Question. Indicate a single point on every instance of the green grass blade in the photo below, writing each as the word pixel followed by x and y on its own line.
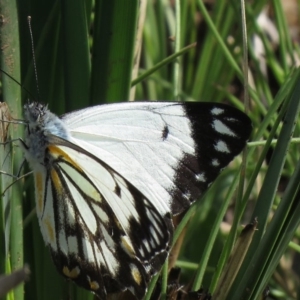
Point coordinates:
pixel 113 49
pixel 76 54
pixel 256 263
pixel 280 231
pixel 10 62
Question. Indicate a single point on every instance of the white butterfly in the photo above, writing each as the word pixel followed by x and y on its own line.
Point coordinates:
pixel 108 179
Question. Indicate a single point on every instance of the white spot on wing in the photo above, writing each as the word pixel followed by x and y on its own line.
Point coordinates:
pixel 154 234
pixel 148 268
pixel 217 111
pixel 220 127
pixel 72 244
pixel 146 244
pixel 111 262
pixel 70 213
pixel 101 213
pixel 87 250
pixel 215 162
pixel 200 177
pixel 222 147
pixel 107 238
pixel 231 119
pixel 62 240
pixel 141 250
pixel 98 256
pixel 152 243
pixel 187 196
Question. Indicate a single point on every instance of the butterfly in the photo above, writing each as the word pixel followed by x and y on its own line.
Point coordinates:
pixel 109 178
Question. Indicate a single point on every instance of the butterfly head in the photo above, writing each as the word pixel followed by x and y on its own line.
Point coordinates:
pixel 40 119
pixel 35 112
pixel 42 125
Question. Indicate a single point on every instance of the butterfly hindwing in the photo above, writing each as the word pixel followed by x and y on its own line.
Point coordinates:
pixel 103 245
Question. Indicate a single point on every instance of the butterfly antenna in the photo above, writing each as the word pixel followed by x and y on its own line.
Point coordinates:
pixel 33 57
pixel 18 83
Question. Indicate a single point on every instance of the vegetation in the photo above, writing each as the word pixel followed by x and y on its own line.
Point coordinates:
pixel 91 52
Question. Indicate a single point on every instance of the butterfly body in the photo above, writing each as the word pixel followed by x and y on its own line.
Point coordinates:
pixel 109 178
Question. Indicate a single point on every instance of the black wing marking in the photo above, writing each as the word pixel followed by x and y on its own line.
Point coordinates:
pixel 220 133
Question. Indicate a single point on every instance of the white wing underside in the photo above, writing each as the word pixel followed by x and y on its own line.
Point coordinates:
pixel 130 139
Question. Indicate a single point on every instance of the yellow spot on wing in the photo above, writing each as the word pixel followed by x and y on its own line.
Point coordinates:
pixel 93 284
pixel 57 152
pixel 50 230
pixel 39 190
pixel 56 181
pixel 136 275
pixel 126 245
pixel 118 223
pixel 71 273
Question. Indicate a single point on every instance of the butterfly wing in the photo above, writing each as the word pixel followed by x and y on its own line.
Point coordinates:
pixel 109 177
pixel 171 152
pixel 103 233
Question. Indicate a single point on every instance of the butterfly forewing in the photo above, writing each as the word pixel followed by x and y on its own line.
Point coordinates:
pixel 171 152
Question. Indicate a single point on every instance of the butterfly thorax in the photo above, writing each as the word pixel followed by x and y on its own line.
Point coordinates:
pixel 41 126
